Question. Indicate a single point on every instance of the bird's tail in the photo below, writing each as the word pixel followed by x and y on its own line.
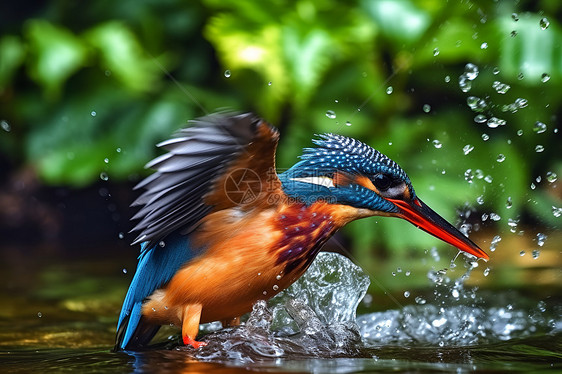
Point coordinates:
pixel 134 336
pixel 157 265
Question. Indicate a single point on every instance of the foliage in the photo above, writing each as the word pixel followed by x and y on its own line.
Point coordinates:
pixel 86 94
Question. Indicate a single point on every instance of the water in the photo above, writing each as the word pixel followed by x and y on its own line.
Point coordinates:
pixel 311 327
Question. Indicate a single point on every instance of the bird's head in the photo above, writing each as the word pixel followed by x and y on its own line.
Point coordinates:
pixel 345 171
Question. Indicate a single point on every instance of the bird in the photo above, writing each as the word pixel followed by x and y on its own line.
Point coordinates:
pixel 219 228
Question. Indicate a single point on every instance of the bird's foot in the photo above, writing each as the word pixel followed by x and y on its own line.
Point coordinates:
pixel 187 340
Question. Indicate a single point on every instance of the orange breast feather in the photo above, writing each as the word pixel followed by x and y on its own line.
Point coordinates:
pixel 250 256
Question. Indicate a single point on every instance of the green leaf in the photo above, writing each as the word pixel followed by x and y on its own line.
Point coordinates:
pixel 533 51
pixel 12 54
pixel 399 20
pixel 56 54
pixel 123 56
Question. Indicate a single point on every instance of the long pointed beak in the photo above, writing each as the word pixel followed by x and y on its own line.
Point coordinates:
pixel 422 216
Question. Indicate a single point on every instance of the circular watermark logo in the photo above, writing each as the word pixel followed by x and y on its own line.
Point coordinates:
pixel 242 186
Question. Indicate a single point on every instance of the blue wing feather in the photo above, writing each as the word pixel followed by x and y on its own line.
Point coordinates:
pixel 157 265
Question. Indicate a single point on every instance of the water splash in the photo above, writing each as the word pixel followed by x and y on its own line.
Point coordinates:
pixel 456 316
pixel 313 317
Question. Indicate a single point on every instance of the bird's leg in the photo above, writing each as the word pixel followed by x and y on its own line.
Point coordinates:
pixel 231 322
pixel 190 325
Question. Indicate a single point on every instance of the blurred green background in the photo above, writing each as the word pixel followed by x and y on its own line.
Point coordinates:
pixel 465 96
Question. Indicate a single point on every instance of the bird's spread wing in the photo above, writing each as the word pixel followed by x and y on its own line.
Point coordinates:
pixel 222 160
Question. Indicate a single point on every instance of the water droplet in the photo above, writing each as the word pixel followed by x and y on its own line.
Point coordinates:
pixel 519 132
pixel 512 223
pixel 118 150
pixel 500 158
pixel 107 73
pixel 488 178
pixel 495 240
pixel 556 212
pixel 426 108
pixel 447 78
pixel 278 277
pixel 121 235
pixel 275 287
pixel 500 87
pixel 5 126
pixel 495 122
pixel 468 175
pixel 485 137
pixel 104 176
pixel 464 83
pixel 551 176
pixel 522 253
pixel 93 113
pixel 471 71
pixel 269 83
pixel 227 73
pixel 420 300
pixel 545 77
pixel 480 118
pixel 389 90
pixel 472 101
pixel 544 23
pixel 436 52
pixel 437 144
pixel 106 160
pixel 124 271
pixel 406 294
pixel 521 103
pixel 331 114
pixel 496 71
pixel 539 148
pixel 407 273
pixel 484 45
pixel 39 314
pixel 495 217
pixel 542 306
pixel 515 17
pixel 480 199
pixel 347 123
pixel 162 244
pixel 455 293
pixel 486 272
pixel 513 33
pixel 520 76
pixel 541 238
pixel 508 203
pixel 467 149
pixel 539 127
pixel 479 173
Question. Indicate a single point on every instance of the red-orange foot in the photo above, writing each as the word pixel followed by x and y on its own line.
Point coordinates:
pixel 187 340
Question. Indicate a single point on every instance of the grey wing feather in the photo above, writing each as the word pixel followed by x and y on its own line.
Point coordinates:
pixel 174 195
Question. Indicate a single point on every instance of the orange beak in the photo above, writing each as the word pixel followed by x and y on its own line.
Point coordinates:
pixel 426 219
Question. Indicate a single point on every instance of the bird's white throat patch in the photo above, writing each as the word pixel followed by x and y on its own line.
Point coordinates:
pixel 319 181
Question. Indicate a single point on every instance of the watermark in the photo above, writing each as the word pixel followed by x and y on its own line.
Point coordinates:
pixel 243 186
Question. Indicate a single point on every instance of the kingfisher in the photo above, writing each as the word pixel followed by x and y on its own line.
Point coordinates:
pixel 220 229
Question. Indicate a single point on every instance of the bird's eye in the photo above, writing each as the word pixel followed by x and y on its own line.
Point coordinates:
pixel 388 186
pixel 382 182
